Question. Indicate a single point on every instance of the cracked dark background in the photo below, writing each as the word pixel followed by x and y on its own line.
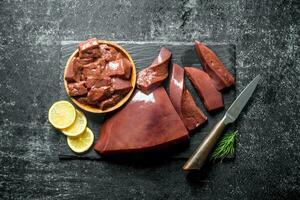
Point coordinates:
pixel 266 34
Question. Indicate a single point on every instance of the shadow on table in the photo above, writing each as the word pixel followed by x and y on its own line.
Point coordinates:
pixel 200 177
pixel 146 159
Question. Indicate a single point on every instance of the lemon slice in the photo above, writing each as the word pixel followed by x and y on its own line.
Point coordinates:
pixel 82 142
pixel 62 114
pixel 77 127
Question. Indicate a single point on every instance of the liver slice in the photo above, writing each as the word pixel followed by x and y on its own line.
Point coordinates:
pixel 110 102
pixel 88 44
pixel 121 86
pixel 153 76
pixel 108 53
pixel 77 89
pixel 147 122
pixel 119 68
pixel 98 94
pixel 192 116
pixel 182 100
pixel 212 65
pixel 207 91
pixel 176 86
pixel 97 82
pixel 73 71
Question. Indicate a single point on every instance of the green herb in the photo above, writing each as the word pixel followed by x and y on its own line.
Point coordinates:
pixel 225 146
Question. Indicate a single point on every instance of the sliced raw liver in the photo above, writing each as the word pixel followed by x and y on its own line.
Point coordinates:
pixel 88 44
pixel 97 82
pixel 147 122
pixel 109 53
pixel 182 100
pixel 99 62
pixel 153 76
pixel 91 53
pixel 84 61
pixel 207 91
pixel 77 89
pixel 73 71
pixel 119 68
pixel 110 102
pixel 212 65
pixel 176 86
pixel 121 86
pixel 192 116
pixel 98 94
pixel 94 72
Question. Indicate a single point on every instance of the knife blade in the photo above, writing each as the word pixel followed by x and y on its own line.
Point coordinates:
pixel 198 158
pixel 239 103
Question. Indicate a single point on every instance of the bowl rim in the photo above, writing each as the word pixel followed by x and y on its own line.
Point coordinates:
pixel 90 108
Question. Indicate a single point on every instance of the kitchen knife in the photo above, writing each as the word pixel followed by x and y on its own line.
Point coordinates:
pixel 198 158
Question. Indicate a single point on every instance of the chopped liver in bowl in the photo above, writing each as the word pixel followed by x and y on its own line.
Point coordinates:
pixel 99 75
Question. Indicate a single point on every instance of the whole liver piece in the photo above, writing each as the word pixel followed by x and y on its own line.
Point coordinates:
pixel 152 77
pixel 147 122
pixel 214 67
pixel 205 87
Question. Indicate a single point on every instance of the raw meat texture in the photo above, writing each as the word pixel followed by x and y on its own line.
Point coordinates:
pixel 98 94
pixel 192 116
pixel 119 68
pixel 212 65
pixel 77 89
pixel 121 86
pixel 152 77
pixel 84 61
pixel 73 71
pixel 97 82
pixel 205 87
pixel 90 53
pixel 182 100
pixel 147 122
pixel 88 44
pixel 89 74
pixel 176 86
pixel 108 53
pixel 110 102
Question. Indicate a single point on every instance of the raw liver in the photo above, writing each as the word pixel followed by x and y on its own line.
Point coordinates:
pixel 73 71
pixel 98 94
pixel 147 122
pixel 182 100
pixel 121 86
pixel 214 67
pixel 108 53
pixel 207 91
pixel 192 116
pixel 97 82
pixel 153 76
pixel 77 89
pixel 119 68
pixel 110 102
pixel 88 44
pixel 90 73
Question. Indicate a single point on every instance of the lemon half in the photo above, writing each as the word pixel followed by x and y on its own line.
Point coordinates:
pixel 82 142
pixel 77 127
pixel 62 114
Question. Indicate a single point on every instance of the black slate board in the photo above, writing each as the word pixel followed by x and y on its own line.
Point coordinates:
pixel 143 54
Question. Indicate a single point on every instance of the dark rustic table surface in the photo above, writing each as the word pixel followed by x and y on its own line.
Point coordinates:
pixel 266 34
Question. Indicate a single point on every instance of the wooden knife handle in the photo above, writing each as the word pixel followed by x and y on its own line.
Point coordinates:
pixel 198 158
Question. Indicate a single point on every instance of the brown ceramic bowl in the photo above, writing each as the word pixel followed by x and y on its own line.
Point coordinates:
pixel 93 109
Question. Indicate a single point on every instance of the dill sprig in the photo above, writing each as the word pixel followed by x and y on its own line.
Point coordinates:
pixel 225 147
